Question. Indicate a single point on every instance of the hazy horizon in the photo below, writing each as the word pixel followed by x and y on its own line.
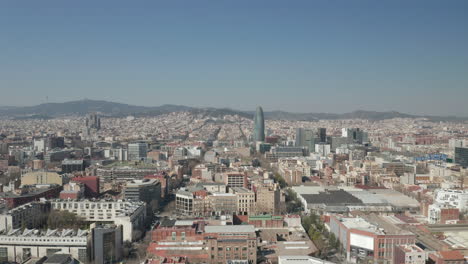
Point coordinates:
pixel 301 56
pixel 231 108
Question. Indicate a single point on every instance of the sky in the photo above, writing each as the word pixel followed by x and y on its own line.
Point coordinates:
pixel 299 56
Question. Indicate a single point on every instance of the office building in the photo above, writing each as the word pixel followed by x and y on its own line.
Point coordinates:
pixel 322 134
pixel 306 138
pixel 70 166
pixel 93 121
pixel 235 179
pixel 106 244
pixel 146 190
pixel 461 156
pixel 259 125
pixel 137 151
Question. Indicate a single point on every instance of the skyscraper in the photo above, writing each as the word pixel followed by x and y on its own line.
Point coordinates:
pixel 137 151
pixel 461 156
pixel 93 121
pixel 259 125
pixel 306 138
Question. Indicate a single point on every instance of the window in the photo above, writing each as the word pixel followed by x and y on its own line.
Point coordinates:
pixel 3 254
pixel 26 253
pixel 174 235
pixel 183 235
pixel 82 256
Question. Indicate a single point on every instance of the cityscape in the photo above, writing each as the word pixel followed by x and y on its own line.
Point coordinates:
pixel 234 132
pixel 186 187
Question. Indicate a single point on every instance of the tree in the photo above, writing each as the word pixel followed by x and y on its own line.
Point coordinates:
pixel 64 219
pixel 306 223
pixel 333 242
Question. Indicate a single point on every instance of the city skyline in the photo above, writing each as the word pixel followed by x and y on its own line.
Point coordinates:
pixel 304 56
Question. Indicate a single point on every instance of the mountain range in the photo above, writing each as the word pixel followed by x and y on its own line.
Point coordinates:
pixel 83 107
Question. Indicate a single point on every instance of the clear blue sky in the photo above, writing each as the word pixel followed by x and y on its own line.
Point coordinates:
pixel 302 56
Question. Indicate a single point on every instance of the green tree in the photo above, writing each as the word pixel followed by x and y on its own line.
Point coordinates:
pixel 306 223
pixel 64 219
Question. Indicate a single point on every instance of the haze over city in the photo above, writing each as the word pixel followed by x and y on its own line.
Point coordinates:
pixel 300 56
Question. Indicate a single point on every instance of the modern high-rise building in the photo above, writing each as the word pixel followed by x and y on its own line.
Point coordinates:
pixel 355 135
pixel 93 121
pixel 137 151
pixel 322 134
pixel 461 156
pixel 308 137
pixel 259 125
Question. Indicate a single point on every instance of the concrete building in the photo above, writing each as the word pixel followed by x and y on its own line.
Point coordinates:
pixel 323 149
pixel 130 214
pixel 373 238
pixel 91 185
pixel 222 203
pixel 30 194
pixel 69 166
pixel 301 260
pixel 306 138
pixel 146 190
pixel 20 246
pixel 245 200
pixel 106 244
pixel 235 179
pixel 137 151
pixel 461 156
pixel 73 190
pixel 232 243
pixel 268 198
pixel 447 257
pixel 440 214
pixel 453 198
pixel 41 177
pixel 184 202
pixel 409 254
pixel 30 215
pixel 200 243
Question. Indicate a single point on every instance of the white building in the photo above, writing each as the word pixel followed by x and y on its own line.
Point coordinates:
pixel 322 149
pixel 39 144
pixel 301 260
pixel 130 214
pixel 454 198
pixel 19 246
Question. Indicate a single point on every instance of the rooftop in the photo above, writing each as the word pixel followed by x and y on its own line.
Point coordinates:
pixel 230 229
pixel 301 260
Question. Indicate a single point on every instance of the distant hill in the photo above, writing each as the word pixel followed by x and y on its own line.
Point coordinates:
pixel 82 107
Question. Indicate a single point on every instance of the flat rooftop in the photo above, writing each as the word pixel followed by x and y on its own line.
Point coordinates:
pixel 230 229
pixel 301 260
